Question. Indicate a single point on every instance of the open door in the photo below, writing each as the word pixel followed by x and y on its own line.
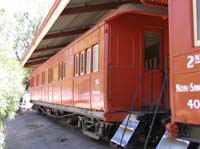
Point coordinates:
pixel 153 68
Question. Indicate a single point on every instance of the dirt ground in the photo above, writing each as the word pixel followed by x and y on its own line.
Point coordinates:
pixel 30 130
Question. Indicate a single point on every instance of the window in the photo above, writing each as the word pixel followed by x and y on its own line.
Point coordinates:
pixel 43 77
pixel 59 77
pixel 64 70
pixel 82 63
pixel 32 82
pixel 151 50
pixel 76 65
pixel 88 62
pixel 95 58
pixel 50 75
pixel 196 22
pixel 37 80
pixel 61 70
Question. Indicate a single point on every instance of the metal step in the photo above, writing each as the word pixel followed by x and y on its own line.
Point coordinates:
pixel 125 130
pixel 168 143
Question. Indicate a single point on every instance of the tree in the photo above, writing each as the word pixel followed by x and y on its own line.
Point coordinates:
pixel 27 24
pixel 17 31
pixel 11 87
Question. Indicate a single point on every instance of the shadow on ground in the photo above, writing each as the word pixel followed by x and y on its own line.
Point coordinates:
pixel 30 130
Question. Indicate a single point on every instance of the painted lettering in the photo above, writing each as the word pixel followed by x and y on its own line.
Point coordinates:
pixel 181 88
pixel 194 87
pixel 193 104
pixel 187 88
pixel 192 60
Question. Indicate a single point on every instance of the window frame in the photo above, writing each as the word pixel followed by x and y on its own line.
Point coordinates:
pixel 93 57
pixel 32 82
pixel 64 70
pixel 43 78
pixel 82 65
pixel 88 51
pixel 37 80
pixel 195 24
pixel 59 72
pixel 76 65
pixel 50 74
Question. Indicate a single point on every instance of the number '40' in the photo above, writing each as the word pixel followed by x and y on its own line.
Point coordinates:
pixel 193 104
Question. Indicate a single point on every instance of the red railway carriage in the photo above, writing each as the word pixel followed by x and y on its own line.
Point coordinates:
pixel 100 70
pixel 117 66
pixel 184 70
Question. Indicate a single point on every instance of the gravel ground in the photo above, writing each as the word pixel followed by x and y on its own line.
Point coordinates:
pixel 30 130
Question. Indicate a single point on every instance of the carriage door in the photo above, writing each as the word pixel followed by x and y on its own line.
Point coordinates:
pixel 152 68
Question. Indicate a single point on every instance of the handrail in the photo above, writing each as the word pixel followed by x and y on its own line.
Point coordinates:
pixel 135 97
pixel 156 110
pixel 165 83
pixel 132 104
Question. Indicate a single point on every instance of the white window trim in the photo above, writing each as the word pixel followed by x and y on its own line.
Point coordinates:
pixel 95 70
pixel 76 65
pixel 196 41
pixel 88 71
pixel 82 53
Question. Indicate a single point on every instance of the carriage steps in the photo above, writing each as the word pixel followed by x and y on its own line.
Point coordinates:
pixel 125 130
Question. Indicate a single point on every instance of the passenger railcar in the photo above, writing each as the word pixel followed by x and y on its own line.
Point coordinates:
pixel 117 66
pixel 184 71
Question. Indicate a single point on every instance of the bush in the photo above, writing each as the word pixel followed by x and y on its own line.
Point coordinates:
pixel 11 89
pixel 16 32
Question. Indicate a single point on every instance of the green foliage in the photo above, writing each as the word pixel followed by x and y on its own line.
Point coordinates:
pixel 17 31
pixel 25 81
pixel 24 31
pixel 11 76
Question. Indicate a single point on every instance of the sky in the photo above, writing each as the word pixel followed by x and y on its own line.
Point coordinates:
pixel 11 6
